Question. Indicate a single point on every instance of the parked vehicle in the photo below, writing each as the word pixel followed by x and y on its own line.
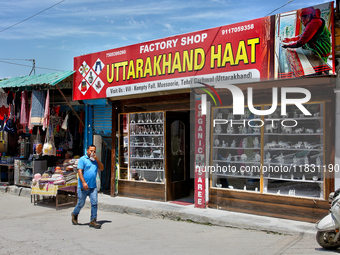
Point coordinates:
pixel 328 235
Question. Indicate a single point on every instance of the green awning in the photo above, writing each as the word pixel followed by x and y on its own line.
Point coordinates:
pixel 33 80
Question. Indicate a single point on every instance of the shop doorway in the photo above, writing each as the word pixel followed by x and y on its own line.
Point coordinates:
pixel 177 153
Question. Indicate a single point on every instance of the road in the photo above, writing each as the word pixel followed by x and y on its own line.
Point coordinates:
pixel 29 229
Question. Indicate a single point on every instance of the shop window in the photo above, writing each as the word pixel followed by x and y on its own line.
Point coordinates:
pixel 273 154
pixel 141 147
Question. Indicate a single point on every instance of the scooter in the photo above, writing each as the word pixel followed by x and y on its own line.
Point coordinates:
pixel 328 235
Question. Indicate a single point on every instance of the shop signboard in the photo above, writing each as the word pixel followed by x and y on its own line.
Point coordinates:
pixel 244 52
pixel 200 173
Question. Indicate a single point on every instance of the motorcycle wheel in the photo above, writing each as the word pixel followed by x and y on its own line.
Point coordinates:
pixel 325 238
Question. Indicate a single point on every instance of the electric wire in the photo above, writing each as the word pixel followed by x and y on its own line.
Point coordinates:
pixel 30 66
pixel 280 7
pixel 31 16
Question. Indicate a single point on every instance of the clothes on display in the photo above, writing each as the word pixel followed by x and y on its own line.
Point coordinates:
pixel 38 107
pixel 47 110
pixel 30 133
pixel 24 108
pixel 3 99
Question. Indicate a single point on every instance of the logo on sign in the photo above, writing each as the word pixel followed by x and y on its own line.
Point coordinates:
pixel 91 77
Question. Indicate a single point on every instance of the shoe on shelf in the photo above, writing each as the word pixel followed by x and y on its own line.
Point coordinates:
pixel 94 224
pixel 74 219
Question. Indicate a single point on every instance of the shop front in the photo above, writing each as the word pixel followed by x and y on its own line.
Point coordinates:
pixel 279 165
pixel 181 127
pixel 153 154
pixel 42 131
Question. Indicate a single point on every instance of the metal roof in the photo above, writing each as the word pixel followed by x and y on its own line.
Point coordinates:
pixel 41 79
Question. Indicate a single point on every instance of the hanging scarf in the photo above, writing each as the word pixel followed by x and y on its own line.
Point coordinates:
pixel 37 109
pixel 47 110
pixel 30 126
pixel 24 108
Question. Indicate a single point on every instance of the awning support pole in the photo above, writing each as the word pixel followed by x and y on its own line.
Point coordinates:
pixel 68 103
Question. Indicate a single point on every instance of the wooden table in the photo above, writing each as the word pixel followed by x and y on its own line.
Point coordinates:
pixel 51 190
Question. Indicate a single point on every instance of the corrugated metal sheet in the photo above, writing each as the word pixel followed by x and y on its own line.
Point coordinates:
pixel 41 79
pixel 102 120
pixel 107 140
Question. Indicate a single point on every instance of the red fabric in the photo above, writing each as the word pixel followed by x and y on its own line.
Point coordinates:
pixel 47 111
pixel 310 30
pixel 307 11
pixel 24 109
pixel 3 111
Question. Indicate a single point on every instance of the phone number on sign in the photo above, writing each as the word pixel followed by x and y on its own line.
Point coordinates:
pixel 237 29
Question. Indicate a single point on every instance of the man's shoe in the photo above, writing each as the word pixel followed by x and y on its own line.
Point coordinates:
pixel 94 224
pixel 74 219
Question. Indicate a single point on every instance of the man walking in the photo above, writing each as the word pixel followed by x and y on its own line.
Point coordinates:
pixel 88 166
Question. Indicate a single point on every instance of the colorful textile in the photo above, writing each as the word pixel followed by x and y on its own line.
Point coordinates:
pixel 3 99
pixel 24 108
pixel 3 111
pixel 47 110
pixel 11 111
pixel 38 107
pixel 30 127
pixel 49 189
pixel 302 62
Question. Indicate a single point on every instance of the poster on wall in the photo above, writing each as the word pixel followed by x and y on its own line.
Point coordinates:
pixel 281 46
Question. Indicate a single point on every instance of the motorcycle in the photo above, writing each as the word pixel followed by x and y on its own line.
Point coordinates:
pixel 328 235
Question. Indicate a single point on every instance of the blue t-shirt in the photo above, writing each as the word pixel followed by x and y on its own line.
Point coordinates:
pixel 90 169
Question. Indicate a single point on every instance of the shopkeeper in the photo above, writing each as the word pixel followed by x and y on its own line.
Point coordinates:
pixel 68 158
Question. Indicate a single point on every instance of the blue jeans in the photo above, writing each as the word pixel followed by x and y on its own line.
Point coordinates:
pixel 82 194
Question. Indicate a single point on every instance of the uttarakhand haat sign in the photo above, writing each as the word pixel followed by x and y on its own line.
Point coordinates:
pixel 238 53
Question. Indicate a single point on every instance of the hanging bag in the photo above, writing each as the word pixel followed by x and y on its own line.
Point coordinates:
pixel 49 146
pixel 65 123
pixel 37 144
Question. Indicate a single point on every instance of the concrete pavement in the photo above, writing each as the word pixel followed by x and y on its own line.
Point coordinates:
pixel 166 210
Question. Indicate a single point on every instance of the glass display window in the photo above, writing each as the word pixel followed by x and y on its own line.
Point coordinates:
pixel 294 152
pixel 275 154
pixel 144 144
pixel 236 150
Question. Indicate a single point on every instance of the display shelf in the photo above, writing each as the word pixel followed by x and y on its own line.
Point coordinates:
pixel 291 149
pixel 239 162
pixel 145 135
pixel 275 145
pixel 237 134
pixel 151 170
pixel 147 146
pixel 24 175
pixel 292 165
pixel 142 158
pixel 30 167
pixel 238 176
pixel 284 134
pixel 291 180
pixel 236 148
pixel 149 123
pixel 297 118
pixel 152 135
